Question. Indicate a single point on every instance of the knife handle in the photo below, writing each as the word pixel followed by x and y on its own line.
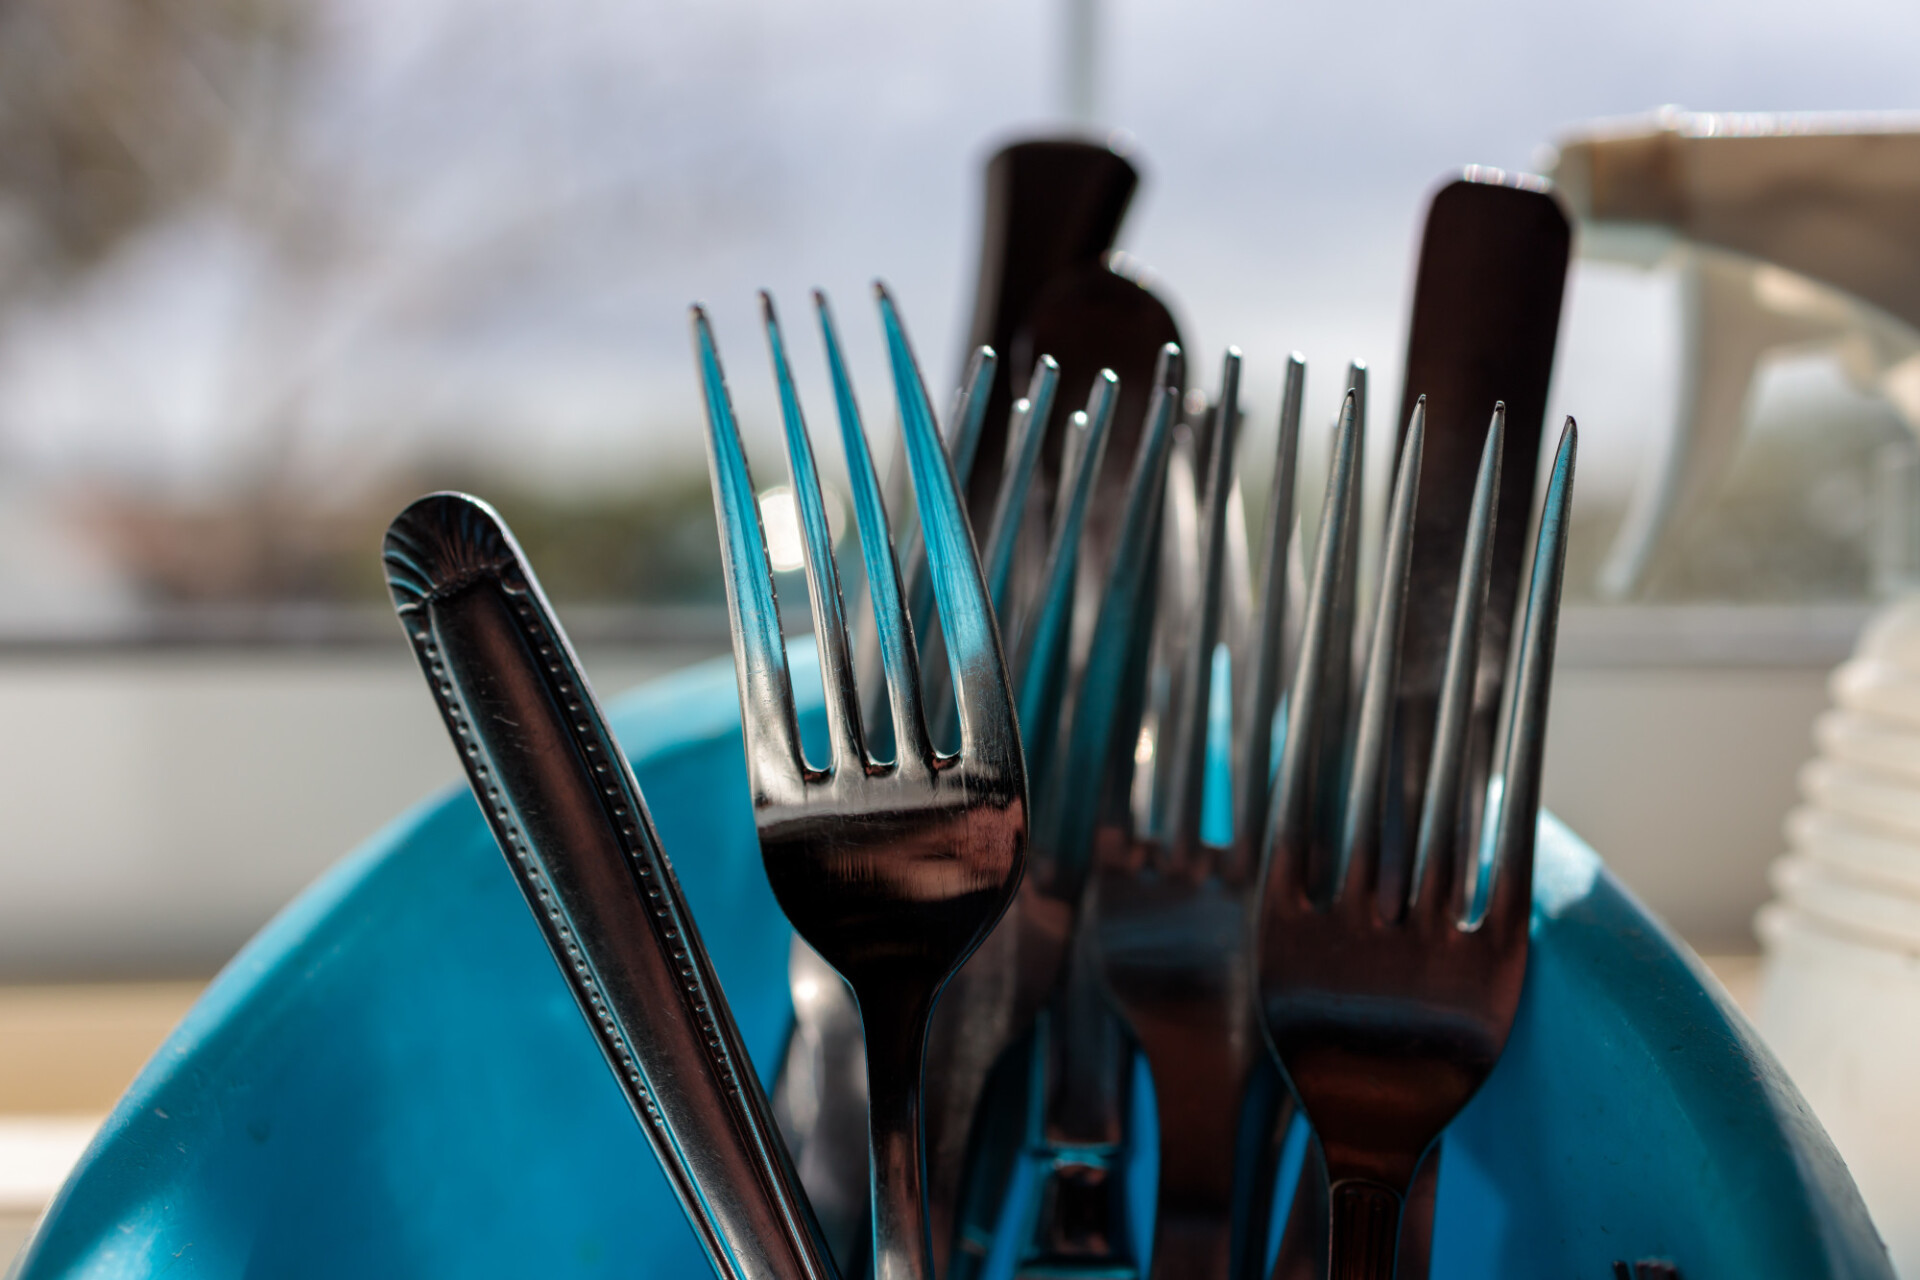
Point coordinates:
pixel 1053 206
pixel 558 793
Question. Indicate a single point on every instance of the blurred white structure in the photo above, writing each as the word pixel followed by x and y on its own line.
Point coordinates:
pixel 1840 989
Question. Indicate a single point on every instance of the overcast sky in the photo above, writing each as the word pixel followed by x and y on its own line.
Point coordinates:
pixel 535 189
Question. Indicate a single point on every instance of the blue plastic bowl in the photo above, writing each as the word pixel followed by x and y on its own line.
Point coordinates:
pixel 392 1080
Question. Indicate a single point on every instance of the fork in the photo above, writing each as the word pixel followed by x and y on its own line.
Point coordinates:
pixel 1082 1070
pixel 1388 1006
pixel 1169 911
pixel 993 999
pixel 1088 319
pixel 822 1084
pixel 892 871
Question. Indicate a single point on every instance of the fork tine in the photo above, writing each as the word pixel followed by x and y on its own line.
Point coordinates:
pixel 844 734
pixel 988 734
pixel 1191 719
pixel 970 412
pixel 1107 703
pixel 1373 734
pixel 1030 417
pixel 1339 699
pixel 1072 441
pixel 1512 894
pixel 1440 846
pixel 1175 616
pixel 1251 779
pixel 1026 433
pixel 759 653
pixel 1321 651
pixel 963 446
pixel 1040 661
pixel 898 657
pixel 1084 445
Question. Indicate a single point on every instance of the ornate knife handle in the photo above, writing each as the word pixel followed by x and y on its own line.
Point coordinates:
pixel 563 803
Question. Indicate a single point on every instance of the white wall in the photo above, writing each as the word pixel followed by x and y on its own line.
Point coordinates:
pixel 156 808
pixel 159 806
pixel 1681 777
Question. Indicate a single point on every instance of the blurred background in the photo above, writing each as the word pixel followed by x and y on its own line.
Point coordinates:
pixel 270 268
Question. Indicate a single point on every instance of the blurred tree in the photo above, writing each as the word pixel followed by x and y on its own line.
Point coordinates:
pixel 113 113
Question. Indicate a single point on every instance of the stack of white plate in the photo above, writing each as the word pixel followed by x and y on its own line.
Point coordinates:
pixel 1840 991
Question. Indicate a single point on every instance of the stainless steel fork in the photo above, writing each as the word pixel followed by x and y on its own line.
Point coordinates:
pixel 993 999
pixel 893 871
pixel 820 1096
pixel 1170 911
pixel 1082 1069
pixel 1388 1006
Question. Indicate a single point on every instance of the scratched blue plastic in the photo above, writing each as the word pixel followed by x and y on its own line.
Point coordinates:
pixel 392 1080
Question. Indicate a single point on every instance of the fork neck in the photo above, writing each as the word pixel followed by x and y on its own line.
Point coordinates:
pixel 896 1035
pixel 1366 1230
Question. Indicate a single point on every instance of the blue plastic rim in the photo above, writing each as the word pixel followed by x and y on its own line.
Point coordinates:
pixel 392 1080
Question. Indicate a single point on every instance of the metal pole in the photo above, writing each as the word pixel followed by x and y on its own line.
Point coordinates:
pixel 1082 61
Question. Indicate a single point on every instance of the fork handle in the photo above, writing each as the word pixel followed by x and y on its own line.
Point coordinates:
pixel 896 1032
pixel 1366 1231
pixel 1200 1104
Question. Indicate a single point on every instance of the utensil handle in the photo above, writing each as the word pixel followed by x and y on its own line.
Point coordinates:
pixel 1052 205
pixel 1366 1231
pixel 1486 317
pixel 1085 1096
pixel 1193 1207
pixel 558 793
pixel 1303 1245
pixel 896 1054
